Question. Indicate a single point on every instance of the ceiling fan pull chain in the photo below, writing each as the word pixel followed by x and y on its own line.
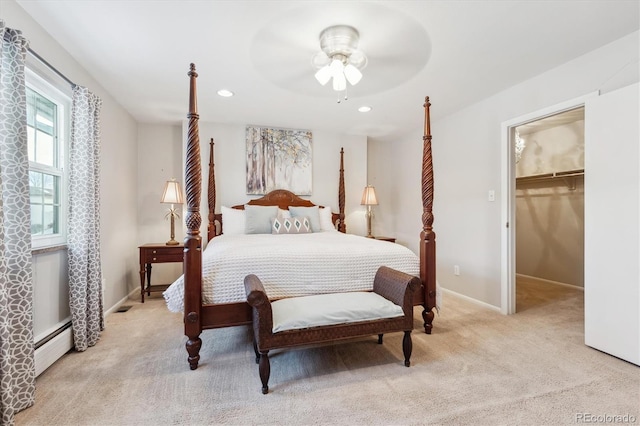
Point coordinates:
pixel 346 96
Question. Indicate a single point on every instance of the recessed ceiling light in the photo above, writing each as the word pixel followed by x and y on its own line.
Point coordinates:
pixel 364 108
pixel 225 93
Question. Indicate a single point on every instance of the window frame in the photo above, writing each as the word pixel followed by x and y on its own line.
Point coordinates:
pixel 37 79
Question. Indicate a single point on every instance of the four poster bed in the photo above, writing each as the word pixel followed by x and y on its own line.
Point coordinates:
pixel 199 316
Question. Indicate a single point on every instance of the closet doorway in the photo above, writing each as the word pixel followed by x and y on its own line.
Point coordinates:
pixel 549 210
pixel 508 186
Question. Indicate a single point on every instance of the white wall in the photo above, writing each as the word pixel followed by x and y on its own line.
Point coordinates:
pixel 231 177
pixel 383 220
pixel 395 169
pixel 160 159
pixel 467 164
pixel 118 199
pixel 118 161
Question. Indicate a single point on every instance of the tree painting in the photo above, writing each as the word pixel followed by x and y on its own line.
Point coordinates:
pixel 278 159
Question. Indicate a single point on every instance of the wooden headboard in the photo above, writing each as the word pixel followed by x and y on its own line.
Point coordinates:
pixel 279 197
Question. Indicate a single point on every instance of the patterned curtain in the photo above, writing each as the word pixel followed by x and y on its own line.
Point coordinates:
pixel 17 368
pixel 85 272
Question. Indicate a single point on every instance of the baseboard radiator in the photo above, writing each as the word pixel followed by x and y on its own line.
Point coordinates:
pixel 51 348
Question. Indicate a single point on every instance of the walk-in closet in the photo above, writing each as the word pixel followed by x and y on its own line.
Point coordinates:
pixel 550 209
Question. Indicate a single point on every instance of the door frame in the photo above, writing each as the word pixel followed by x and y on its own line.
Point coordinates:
pixel 508 199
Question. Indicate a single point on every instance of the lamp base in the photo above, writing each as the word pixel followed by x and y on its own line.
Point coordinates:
pixel 172 241
pixel 368 214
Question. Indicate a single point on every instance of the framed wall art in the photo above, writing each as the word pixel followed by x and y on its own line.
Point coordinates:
pixel 278 159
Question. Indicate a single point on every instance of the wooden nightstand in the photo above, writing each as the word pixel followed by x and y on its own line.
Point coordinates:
pixel 156 253
pixel 390 239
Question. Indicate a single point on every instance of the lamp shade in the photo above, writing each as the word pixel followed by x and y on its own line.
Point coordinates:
pixel 172 193
pixel 352 74
pixel 339 82
pixel 323 75
pixel 369 196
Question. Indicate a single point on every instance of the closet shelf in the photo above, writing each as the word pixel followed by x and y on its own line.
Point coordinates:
pixel 550 176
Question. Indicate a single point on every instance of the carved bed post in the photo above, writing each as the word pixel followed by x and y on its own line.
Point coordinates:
pixel 211 194
pixel 342 227
pixel 193 240
pixel 427 236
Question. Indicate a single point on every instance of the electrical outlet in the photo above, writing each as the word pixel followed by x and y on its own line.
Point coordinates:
pixel 456 270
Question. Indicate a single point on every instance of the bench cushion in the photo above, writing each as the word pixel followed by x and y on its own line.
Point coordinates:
pixel 331 309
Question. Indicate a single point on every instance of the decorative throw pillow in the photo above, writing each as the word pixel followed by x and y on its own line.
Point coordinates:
pixel 233 221
pixel 291 225
pixel 326 223
pixel 311 213
pixel 258 218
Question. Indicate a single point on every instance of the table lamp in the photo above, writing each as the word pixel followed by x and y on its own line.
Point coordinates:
pixel 172 195
pixel 369 199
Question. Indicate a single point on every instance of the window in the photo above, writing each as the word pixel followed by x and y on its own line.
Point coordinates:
pixel 48 111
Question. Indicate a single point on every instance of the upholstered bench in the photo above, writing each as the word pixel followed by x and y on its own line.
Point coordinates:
pixel 322 318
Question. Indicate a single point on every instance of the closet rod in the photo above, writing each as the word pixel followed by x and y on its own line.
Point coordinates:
pixel 550 176
pixel 44 62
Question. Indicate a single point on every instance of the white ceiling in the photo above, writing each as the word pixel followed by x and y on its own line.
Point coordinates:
pixel 456 52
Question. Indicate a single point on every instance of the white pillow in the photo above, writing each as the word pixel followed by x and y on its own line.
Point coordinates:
pixel 232 221
pixel 326 224
pixel 284 214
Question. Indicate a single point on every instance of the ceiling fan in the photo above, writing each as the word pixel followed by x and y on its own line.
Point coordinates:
pixel 339 58
pixel 307 41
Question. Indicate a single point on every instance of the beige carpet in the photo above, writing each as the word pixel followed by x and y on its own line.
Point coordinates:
pixel 478 367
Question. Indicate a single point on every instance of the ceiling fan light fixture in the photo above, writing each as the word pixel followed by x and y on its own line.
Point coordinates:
pixel 339 58
pixel 339 82
pixel 337 67
pixel 323 75
pixel 352 74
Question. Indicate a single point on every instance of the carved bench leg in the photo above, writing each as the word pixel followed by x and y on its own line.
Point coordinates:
pixel 255 349
pixel 407 347
pixel 380 339
pixel 265 371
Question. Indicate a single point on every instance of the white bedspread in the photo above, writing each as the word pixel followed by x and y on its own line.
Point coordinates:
pixel 292 265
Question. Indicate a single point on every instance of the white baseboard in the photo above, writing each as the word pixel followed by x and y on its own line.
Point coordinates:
pixel 55 348
pixel 51 351
pixel 472 300
pixel 121 302
pixel 544 280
